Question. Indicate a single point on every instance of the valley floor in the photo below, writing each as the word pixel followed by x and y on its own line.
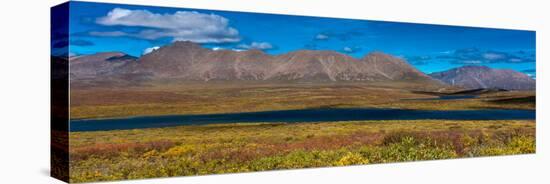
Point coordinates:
pixel 171 99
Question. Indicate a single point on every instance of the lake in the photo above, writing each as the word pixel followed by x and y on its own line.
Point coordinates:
pixel 295 116
pixel 445 97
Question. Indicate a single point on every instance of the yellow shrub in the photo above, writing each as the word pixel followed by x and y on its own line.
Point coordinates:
pixel 352 159
pixel 179 150
pixel 468 141
pixel 523 144
pixel 150 154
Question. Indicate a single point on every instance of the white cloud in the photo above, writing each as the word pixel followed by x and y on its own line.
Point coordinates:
pixel 446 52
pixel 256 45
pixel 181 26
pixel 150 49
pixel 321 37
pixel 221 48
pixel 493 56
pixel 515 60
pixel 348 49
pixel 108 33
pixel 471 62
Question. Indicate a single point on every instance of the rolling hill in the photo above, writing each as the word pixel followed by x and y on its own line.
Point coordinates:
pixel 187 61
pixel 475 77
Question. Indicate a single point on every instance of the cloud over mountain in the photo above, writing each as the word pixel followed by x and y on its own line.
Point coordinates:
pixel 352 49
pixel 321 36
pixel 477 56
pixel 256 45
pixel 150 49
pixel 180 26
pixel 418 60
pixel 81 43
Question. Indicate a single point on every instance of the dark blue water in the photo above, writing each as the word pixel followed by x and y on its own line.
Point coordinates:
pixel 294 116
pixel 456 97
pixel 446 97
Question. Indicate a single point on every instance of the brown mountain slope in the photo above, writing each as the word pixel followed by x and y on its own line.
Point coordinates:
pixel 98 65
pixel 187 61
pixel 393 68
pixel 474 77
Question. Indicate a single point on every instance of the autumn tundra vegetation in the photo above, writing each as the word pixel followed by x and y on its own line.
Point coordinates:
pixel 229 148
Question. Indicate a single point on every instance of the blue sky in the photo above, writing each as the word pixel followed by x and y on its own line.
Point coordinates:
pixel 96 27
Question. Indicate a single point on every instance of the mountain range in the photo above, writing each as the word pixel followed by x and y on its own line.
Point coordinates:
pixel 475 77
pixel 187 61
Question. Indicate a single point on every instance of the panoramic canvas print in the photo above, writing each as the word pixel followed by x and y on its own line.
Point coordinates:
pixel 144 92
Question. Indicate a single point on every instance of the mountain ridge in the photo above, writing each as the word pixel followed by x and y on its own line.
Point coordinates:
pixel 191 62
pixel 194 62
pixel 188 61
pixel 474 77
